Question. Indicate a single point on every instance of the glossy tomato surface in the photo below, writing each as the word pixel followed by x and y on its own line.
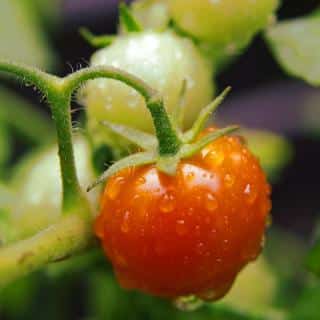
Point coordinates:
pixel 190 233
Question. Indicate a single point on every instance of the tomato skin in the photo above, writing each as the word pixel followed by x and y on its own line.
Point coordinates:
pixel 187 234
pixel 164 61
pixel 226 24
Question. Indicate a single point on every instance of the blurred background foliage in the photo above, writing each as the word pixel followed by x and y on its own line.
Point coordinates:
pixel 282 115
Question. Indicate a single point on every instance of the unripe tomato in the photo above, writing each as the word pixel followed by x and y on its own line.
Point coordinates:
pixel 38 185
pixel 163 60
pixel 151 14
pixel 226 24
pixel 190 233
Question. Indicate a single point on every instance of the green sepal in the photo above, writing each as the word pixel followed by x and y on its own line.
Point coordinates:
pixel 177 115
pixel 142 139
pixel 94 40
pixel 203 117
pixel 136 159
pixel 188 150
pixel 127 20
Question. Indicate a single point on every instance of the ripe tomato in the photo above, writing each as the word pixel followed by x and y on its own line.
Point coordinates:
pixel 190 233
pixel 164 61
pixel 226 24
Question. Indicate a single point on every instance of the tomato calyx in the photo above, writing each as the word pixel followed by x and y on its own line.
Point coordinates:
pixel 171 144
pixel 128 23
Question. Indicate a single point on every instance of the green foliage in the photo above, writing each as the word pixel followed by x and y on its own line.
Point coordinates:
pixel 274 151
pixel 296 46
pixel 5 147
pixel 22 37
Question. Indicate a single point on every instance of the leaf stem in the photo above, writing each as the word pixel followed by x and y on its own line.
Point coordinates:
pixel 68 236
pixel 169 141
pixel 59 101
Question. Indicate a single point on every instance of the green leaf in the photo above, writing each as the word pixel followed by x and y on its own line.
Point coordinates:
pixel 24 118
pixel 142 139
pixel 313 259
pixel 296 46
pixel 22 36
pixel 274 151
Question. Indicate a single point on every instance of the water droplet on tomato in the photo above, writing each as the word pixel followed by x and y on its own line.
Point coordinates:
pixel 181 227
pixel 167 203
pixel 208 295
pixel 229 180
pixel 200 248
pixel 250 193
pixel 125 222
pixel 188 303
pixel 114 187
pixel 215 158
pixel 211 202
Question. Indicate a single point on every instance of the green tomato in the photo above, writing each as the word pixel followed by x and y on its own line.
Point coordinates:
pixel 39 190
pixel 151 14
pixel 225 24
pixel 164 61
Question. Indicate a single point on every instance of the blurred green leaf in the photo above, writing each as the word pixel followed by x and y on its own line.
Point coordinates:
pixel 22 37
pixel 307 306
pixel 253 299
pixel 15 301
pixel 33 124
pixel 48 11
pixel 5 146
pixel 313 257
pixel 296 46
pixel 273 151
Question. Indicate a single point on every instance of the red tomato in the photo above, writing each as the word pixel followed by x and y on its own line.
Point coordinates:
pixel 190 233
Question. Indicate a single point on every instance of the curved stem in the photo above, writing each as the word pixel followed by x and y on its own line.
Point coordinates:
pixel 29 75
pixel 169 141
pixel 59 100
pixel 75 80
pixel 67 237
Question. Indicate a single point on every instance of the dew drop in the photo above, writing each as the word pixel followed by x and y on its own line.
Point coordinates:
pixel 200 248
pixel 167 203
pixel 229 180
pixel 236 158
pixel 190 176
pixel 188 303
pixel 216 158
pixel 181 227
pixel 197 230
pixel 114 187
pixel 211 202
pixel 209 295
pixel 141 180
pixel 125 222
pixel 250 193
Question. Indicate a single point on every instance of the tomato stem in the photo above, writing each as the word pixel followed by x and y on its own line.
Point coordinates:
pixel 169 141
pixel 68 236
pixel 52 88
